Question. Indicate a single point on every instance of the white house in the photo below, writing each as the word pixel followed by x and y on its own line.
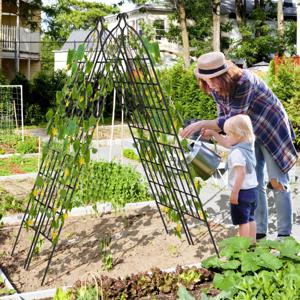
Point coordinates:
pixel 156 15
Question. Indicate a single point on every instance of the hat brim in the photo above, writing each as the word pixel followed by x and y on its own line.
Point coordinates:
pixel 212 75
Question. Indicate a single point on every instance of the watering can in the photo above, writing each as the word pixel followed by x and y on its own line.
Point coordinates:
pixel 202 159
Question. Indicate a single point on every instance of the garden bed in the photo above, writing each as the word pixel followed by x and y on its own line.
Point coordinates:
pixel 18 164
pixel 13 143
pixel 137 243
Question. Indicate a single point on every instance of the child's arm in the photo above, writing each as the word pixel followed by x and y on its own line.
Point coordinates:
pixel 218 137
pixel 240 172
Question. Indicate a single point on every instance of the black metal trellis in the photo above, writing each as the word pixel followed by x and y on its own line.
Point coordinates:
pixel 121 55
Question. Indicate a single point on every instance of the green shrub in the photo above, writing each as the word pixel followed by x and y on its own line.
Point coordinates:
pixel 129 153
pixel 2 78
pixel 9 204
pixel 12 143
pixel 110 182
pixel 285 84
pixel 181 85
pixel 34 115
pixel 44 88
pixel 29 145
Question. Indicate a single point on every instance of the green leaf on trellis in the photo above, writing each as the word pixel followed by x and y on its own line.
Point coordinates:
pixel 89 90
pixel 62 193
pixel 49 114
pixel 89 66
pixel 70 57
pixel 80 52
pixel 76 145
pixel 71 129
pixel 39 181
pixel 92 121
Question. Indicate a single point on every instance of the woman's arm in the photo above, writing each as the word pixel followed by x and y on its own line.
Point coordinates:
pixel 197 126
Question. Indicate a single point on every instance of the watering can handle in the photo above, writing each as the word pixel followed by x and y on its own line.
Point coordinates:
pixel 199 137
pixel 213 140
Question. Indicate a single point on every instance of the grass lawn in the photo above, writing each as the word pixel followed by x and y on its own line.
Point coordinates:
pixel 18 165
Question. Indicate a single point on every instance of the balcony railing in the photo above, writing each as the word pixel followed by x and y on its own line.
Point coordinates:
pixel 29 41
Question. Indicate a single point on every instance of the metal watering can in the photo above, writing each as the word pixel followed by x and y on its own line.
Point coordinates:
pixel 203 160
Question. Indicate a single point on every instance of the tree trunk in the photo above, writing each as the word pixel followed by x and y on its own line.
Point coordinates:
pixel 280 18
pixel 240 12
pixel 216 24
pixel 184 33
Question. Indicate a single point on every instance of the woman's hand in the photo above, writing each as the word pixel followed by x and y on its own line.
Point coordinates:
pixel 191 129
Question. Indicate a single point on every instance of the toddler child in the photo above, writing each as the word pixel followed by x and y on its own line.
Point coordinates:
pixel 242 181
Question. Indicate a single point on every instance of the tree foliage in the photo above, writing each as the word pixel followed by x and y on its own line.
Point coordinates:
pixel 67 15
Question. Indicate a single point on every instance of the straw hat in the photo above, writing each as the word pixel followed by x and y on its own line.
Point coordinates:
pixel 211 65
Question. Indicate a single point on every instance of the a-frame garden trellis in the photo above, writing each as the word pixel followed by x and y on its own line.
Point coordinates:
pixel 110 59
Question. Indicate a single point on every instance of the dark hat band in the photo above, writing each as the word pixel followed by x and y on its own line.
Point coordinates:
pixel 212 71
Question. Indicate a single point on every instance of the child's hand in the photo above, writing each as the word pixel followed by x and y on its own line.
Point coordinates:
pixel 207 133
pixel 234 198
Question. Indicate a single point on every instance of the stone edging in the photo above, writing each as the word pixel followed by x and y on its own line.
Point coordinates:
pixel 18 176
pixel 9 286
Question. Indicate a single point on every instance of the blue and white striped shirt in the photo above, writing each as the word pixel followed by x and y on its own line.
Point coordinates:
pixel 269 119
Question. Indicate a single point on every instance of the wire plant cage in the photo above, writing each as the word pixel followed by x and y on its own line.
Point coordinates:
pixel 11 109
pixel 117 59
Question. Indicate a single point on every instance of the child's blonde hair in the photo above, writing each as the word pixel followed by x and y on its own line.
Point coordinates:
pixel 241 126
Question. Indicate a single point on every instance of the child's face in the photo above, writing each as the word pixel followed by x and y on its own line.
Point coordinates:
pixel 232 138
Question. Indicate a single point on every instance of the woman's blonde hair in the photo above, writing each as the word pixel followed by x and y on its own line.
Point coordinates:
pixel 241 126
pixel 226 82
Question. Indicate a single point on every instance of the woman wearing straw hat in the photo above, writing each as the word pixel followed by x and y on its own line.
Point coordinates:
pixel 238 91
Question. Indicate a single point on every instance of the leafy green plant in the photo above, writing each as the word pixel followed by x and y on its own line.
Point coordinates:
pixel 17 164
pixel 12 143
pixel 105 253
pixel 39 245
pixel 136 286
pixel 262 271
pixel 129 153
pixel 87 293
pixel 62 295
pixel 110 182
pixel 29 145
pixel 9 204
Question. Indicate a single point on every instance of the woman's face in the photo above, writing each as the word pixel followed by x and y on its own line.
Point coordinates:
pixel 212 83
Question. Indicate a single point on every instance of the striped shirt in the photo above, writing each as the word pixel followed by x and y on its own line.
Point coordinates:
pixel 269 119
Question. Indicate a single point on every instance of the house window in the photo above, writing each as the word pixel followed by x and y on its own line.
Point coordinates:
pixel 287 4
pixel 160 29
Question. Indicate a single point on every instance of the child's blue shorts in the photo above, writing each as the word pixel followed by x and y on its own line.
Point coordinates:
pixel 244 212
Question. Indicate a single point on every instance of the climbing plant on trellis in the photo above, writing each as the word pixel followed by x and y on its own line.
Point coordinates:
pixel 111 59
